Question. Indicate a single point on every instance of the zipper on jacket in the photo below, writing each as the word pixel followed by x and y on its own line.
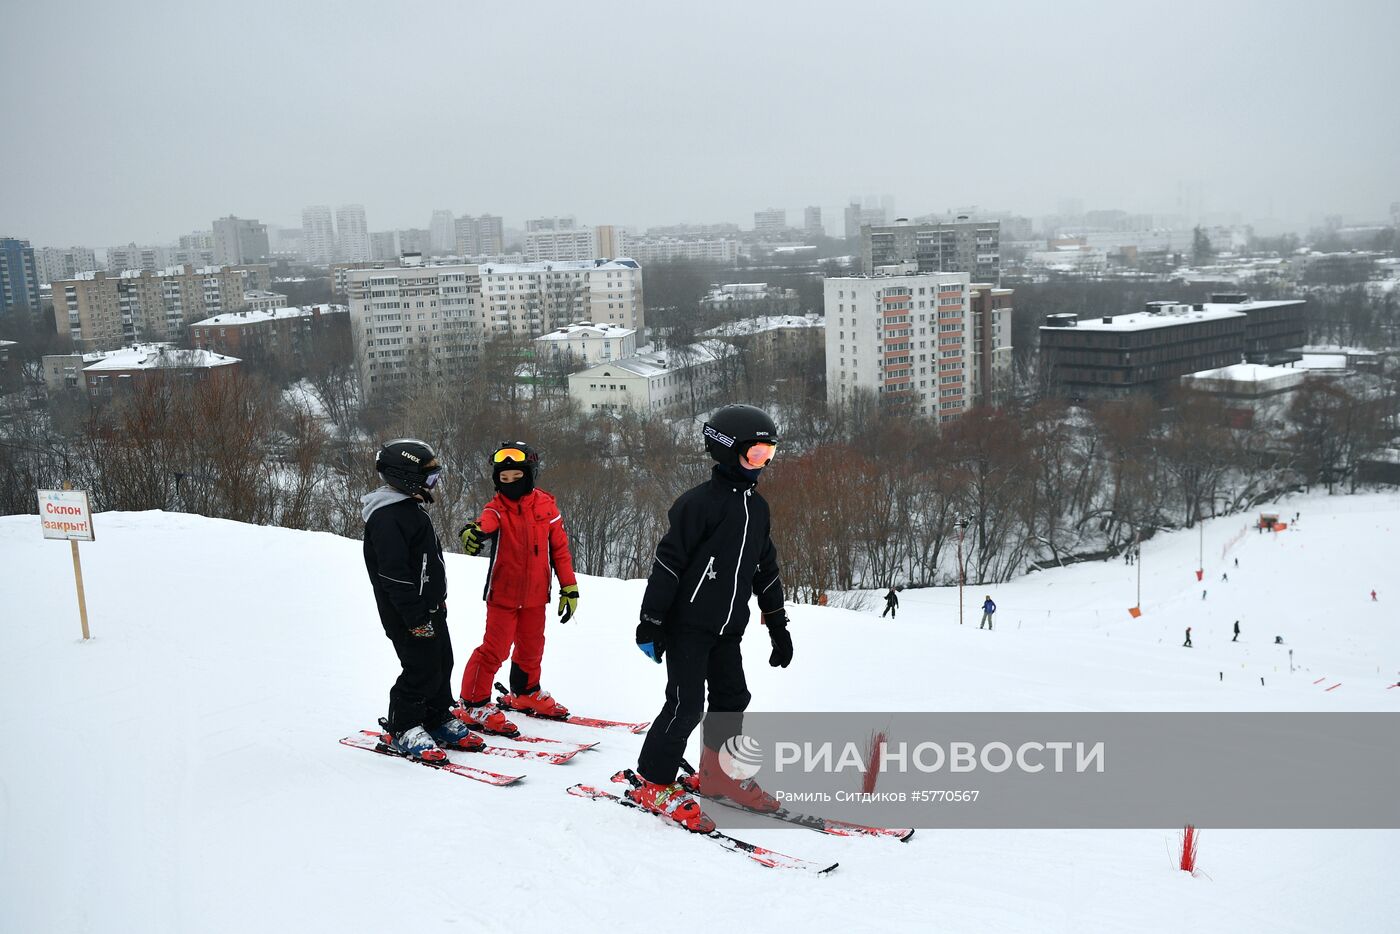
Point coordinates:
pixel 709 566
pixel 423 575
pixel 740 563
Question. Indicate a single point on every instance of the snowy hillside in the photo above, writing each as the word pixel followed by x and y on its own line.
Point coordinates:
pixel 180 773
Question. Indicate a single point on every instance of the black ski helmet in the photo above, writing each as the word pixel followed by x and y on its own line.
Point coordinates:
pixel 530 465
pixel 407 465
pixel 730 431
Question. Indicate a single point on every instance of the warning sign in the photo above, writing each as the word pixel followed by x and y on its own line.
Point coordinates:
pixel 66 515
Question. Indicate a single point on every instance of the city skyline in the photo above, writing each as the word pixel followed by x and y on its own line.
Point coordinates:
pixel 1135 110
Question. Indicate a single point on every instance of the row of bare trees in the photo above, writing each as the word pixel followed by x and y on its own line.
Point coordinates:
pixel 861 498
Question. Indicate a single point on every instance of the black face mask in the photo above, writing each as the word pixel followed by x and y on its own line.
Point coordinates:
pixel 519 488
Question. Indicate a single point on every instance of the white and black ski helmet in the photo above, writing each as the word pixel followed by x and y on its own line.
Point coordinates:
pixel 406 465
pixel 731 429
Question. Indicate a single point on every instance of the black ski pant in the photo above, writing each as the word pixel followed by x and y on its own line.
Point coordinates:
pixel 890 612
pixel 422 695
pixel 699 664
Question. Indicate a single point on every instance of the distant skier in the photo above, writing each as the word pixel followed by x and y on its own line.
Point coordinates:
pixel 529 542
pixel 1187 643
pixel 716 555
pixel 1237 562
pixel 989 609
pixel 1373 596
pixel 1225 578
pixel 1237 632
pixel 891 604
pixel 404 560
pixel 1203 594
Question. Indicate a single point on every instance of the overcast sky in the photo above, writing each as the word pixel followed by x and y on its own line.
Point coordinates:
pixel 146 120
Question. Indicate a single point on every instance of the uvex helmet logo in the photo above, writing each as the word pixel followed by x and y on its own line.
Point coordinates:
pixel 411 457
pixel 722 438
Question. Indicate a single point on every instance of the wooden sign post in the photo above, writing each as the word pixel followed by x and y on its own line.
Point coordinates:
pixel 67 514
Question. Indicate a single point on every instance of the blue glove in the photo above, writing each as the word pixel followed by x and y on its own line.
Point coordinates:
pixel 651 638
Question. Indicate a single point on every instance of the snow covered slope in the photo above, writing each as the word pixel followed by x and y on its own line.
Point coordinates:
pixel 181 773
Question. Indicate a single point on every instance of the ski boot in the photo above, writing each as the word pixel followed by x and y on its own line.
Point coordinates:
pixel 536 703
pixel 485 717
pixel 412 743
pixel 711 781
pixel 671 801
pixel 453 734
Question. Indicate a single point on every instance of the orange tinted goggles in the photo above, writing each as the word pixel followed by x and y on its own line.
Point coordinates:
pixel 510 454
pixel 758 454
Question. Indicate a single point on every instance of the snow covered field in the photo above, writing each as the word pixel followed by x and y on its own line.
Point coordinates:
pixel 180 773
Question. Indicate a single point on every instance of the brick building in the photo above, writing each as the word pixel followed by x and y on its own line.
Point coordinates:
pixel 287 337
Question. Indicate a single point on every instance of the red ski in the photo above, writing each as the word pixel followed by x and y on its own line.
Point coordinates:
pixel 540 755
pixel 592 722
pixel 760 855
pixel 373 742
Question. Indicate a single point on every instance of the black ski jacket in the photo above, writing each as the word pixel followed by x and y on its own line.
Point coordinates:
pixel 404 559
pixel 716 553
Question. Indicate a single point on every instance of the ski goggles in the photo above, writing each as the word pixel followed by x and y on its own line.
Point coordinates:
pixel 430 479
pixel 758 455
pixel 510 454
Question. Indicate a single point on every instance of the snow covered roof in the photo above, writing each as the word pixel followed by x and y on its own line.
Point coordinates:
pixel 1144 321
pixel 1246 378
pixel 1324 361
pixel 253 316
pixel 585 330
pixel 158 356
pixel 746 326
pixel 653 363
pixel 570 265
pixel 253 294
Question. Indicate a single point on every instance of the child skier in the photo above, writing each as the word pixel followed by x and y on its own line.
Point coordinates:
pixel 891 605
pixel 715 555
pixel 989 610
pixel 404 561
pixel 529 539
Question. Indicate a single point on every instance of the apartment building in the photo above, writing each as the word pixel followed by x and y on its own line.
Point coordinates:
pixel 812 225
pixel 559 239
pixel 263 300
pixel 352 233
pixel 288 337
pixel 414 324
pixel 55 263
pixel 102 311
pixel 480 236
pixel 131 256
pixel 318 235
pixel 111 373
pixel 533 298
pixel 991 343
pixel 969 246
pixel 239 241
pixel 19 277
pixel 770 222
pixel 666 249
pixel 904 338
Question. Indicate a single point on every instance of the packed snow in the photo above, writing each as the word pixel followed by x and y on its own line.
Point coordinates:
pixel 180 772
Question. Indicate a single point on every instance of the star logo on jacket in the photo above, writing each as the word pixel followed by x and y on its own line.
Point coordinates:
pixel 712 574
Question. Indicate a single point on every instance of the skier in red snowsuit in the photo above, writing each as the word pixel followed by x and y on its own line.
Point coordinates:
pixel 528 538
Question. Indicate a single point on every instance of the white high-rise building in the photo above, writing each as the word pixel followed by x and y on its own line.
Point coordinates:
pixel 318 235
pixel 534 298
pixel 442 232
pixel 53 264
pixel 353 233
pixel 414 324
pixel 905 338
pixel 567 244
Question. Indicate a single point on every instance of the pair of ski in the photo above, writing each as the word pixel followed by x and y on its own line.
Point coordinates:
pixel 762 855
pixel 376 741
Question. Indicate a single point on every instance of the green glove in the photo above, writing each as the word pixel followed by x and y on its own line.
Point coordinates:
pixel 472 538
pixel 568 602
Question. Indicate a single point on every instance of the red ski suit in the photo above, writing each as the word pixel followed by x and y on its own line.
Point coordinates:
pixel 530 539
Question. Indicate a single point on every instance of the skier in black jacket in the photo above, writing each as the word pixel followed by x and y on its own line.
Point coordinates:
pixel 716 554
pixel 891 605
pixel 404 561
